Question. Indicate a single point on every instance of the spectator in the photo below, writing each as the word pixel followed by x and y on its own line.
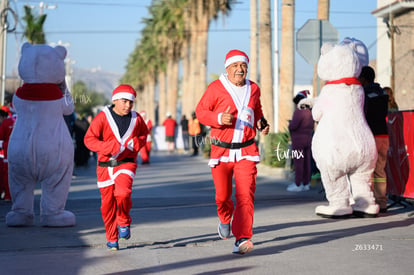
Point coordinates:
pixel 170 124
pixel 194 129
pixel 376 111
pixel 392 104
pixel 184 132
pixel 301 129
pixel 82 153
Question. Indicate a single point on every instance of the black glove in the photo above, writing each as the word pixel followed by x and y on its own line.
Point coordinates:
pixel 263 123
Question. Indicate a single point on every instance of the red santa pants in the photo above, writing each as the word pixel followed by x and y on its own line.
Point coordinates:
pixel 115 205
pixel 244 172
pixel 4 181
pixel 145 152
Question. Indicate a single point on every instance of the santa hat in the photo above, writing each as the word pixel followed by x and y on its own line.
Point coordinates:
pixel 304 93
pixel 235 56
pixel 5 108
pixel 301 95
pixel 124 92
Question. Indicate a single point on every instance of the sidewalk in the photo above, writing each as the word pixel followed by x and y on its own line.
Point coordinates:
pixel 174 231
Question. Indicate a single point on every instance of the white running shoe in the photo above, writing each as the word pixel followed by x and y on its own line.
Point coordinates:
pixel 294 188
pixel 223 230
pixel 242 246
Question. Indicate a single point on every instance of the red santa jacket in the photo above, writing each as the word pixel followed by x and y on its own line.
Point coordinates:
pixel 149 127
pixel 216 99
pixel 103 137
pixel 6 128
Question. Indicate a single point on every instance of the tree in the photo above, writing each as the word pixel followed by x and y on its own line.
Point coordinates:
pixel 34 27
pixel 85 100
pixel 176 31
pixel 253 41
pixel 205 12
pixel 266 75
pixel 287 62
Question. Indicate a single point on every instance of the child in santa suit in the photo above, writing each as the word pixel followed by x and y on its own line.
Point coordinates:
pixel 117 134
pixel 231 106
pixel 146 150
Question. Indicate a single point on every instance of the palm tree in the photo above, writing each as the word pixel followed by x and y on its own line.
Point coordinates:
pixel 34 27
pixel 206 10
pixel 253 41
pixel 286 64
pixel 266 75
pixel 167 37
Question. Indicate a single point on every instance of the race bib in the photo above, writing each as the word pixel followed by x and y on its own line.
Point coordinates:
pixel 246 117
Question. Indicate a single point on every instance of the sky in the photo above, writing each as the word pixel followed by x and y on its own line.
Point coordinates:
pixel 101 34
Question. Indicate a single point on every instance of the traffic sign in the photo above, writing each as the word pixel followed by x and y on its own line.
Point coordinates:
pixel 311 36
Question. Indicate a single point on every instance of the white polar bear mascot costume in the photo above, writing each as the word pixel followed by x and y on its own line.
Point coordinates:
pixel 343 145
pixel 41 148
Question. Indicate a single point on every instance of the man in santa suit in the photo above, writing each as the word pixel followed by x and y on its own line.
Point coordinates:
pixel 231 107
pixel 146 150
pixel 117 134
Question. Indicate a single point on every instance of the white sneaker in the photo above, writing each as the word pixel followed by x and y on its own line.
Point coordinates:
pixel 294 188
pixel 242 246
pixel 306 187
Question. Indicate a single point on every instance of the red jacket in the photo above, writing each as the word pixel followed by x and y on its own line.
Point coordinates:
pixel 169 124
pixel 149 127
pixel 103 137
pixel 6 128
pixel 215 100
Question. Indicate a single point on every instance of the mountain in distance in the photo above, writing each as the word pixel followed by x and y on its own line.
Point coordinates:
pixel 97 80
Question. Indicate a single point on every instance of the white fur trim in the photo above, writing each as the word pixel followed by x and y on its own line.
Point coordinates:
pixel 128 96
pixel 111 181
pixel 214 162
pixel 236 58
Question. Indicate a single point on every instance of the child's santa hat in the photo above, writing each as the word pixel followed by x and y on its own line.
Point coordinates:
pixel 301 95
pixel 124 92
pixel 235 56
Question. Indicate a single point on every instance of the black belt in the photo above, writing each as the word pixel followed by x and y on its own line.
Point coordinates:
pixel 114 162
pixel 233 145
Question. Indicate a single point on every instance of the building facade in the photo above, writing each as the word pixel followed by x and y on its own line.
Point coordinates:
pixel 395 49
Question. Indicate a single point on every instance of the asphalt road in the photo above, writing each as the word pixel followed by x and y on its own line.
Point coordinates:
pixel 174 231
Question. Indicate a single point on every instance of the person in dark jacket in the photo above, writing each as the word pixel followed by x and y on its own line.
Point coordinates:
pixel 376 111
pixel 184 131
pixel 301 129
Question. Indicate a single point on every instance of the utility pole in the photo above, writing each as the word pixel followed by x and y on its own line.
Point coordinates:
pixel 323 14
pixel 276 65
pixel 392 31
pixel 3 43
